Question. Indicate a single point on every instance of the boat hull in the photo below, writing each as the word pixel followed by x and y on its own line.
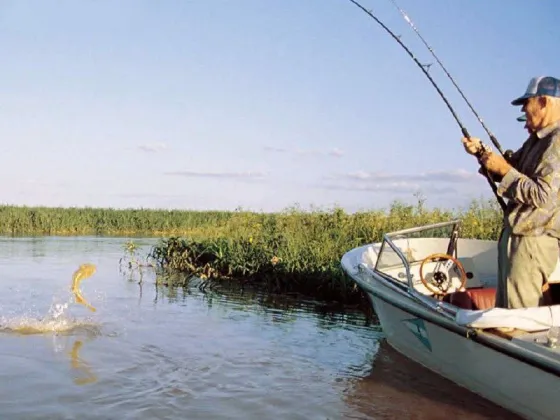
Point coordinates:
pixel 498 377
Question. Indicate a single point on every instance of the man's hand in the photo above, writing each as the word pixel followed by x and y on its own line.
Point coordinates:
pixel 495 164
pixel 472 145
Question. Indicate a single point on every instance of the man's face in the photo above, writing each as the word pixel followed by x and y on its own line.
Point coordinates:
pixel 535 110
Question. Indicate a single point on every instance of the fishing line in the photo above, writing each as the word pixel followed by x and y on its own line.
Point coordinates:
pixel 409 21
pixel 423 68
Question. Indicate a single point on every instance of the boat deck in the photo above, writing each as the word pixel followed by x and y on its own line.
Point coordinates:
pixel 534 341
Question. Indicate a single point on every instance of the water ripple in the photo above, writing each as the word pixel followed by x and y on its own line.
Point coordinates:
pixel 152 352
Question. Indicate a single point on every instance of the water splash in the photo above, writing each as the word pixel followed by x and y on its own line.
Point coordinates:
pixel 57 310
pixel 28 325
pixel 57 320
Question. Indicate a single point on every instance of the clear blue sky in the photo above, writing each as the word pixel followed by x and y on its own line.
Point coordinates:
pixel 215 104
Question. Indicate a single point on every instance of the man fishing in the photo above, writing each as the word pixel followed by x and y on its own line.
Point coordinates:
pixel 530 179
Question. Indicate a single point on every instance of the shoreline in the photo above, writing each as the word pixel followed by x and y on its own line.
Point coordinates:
pixel 293 252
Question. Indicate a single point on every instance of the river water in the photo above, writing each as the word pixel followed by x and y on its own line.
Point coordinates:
pixel 151 352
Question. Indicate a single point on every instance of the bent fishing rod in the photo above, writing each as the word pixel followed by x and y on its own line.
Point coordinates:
pixel 461 126
pixel 490 134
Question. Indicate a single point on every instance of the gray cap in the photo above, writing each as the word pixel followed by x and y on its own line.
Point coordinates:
pixel 540 86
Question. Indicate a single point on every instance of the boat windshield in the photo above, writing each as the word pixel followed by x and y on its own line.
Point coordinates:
pixel 401 248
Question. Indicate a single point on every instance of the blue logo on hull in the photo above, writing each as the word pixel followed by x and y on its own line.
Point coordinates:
pixel 417 327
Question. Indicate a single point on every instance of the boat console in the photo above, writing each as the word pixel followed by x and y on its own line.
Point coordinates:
pixel 435 262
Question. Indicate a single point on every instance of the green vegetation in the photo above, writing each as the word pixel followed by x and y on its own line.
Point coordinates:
pixel 294 252
pixel 21 220
pixel 25 221
pixel 299 252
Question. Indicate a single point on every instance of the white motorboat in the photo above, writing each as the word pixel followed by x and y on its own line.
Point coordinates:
pixel 434 295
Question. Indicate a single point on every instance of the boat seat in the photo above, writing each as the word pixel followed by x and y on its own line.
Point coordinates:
pixel 473 299
pixel 479 298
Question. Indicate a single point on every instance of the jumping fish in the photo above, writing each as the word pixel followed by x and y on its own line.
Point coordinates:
pixel 83 272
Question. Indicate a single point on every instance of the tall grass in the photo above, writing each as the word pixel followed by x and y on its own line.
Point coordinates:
pixel 22 220
pixel 299 252
pixel 291 252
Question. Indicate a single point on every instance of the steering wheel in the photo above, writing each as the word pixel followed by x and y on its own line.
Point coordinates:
pixel 441 279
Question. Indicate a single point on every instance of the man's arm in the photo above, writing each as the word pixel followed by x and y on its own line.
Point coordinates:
pixel 510 157
pixel 540 190
pixel 493 176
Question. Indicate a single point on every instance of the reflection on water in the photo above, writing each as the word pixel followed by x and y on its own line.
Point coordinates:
pixel 155 352
pixel 86 376
pixel 397 387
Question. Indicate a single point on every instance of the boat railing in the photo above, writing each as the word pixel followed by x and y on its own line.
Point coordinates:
pixel 445 309
pixel 403 258
pixel 439 306
pixel 388 238
pixel 421 228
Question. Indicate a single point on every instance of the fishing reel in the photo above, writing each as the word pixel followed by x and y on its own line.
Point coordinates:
pixel 484 148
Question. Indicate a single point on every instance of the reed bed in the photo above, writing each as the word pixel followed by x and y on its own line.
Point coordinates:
pixel 22 220
pixel 481 220
pixel 299 253
pixel 294 252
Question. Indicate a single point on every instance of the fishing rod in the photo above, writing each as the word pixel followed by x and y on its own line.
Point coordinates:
pixel 409 21
pixel 461 126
